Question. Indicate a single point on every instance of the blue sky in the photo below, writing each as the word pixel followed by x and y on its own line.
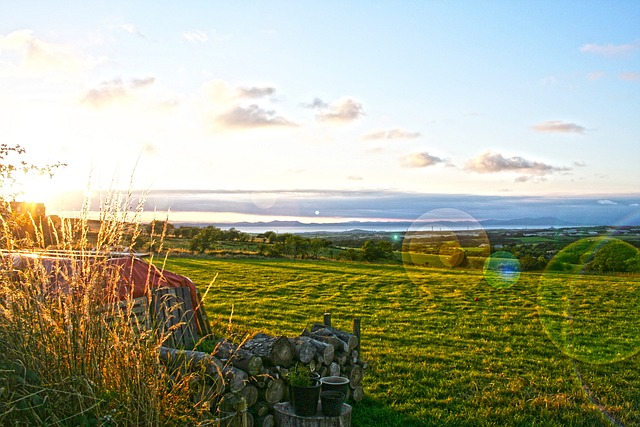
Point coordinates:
pixel 329 110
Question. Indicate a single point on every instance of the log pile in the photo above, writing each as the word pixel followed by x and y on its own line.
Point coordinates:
pixel 249 379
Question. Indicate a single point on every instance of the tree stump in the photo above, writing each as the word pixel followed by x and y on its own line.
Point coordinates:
pixel 285 417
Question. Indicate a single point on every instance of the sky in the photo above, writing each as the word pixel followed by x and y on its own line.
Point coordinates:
pixel 327 111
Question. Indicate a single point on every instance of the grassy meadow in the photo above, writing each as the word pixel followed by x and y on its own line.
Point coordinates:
pixel 444 346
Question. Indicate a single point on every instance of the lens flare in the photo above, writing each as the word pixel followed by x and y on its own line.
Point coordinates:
pixel 501 270
pixel 444 238
pixel 588 300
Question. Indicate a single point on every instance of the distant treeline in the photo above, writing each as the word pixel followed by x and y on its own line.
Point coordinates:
pixel 562 253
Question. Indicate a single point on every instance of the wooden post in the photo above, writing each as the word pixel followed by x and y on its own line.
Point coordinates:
pixel 327 319
pixel 356 332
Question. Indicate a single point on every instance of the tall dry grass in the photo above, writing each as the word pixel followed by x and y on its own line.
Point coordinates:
pixel 69 355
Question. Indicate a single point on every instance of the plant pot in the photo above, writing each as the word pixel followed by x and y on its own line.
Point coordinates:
pixel 305 400
pixel 332 401
pixel 335 383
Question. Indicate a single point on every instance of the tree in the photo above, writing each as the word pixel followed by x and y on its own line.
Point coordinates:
pixel 374 251
pixel 158 227
pixel 316 245
pixel 12 167
pixel 613 256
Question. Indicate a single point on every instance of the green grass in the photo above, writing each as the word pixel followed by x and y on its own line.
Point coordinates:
pixel 444 347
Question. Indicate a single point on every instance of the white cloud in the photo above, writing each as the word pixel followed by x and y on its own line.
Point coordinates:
pixel 139 83
pixel 420 160
pixel 606 202
pixel 630 76
pixel 251 117
pixel 107 93
pixel 41 59
pixel 610 49
pixel 343 110
pixel 132 29
pixel 558 126
pixel 195 36
pixel 396 133
pixel 256 92
pixel 115 91
pixel 595 75
pixel 316 103
pixel 490 162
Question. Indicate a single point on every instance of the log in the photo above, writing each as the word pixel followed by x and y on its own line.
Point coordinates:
pixel 327 337
pixel 259 409
pixel 324 352
pixel 264 421
pixel 355 394
pixel 273 350
pixel 312 364
pixel 304 350
pixel 350 339
pixel 238 357
pixel 248 420
pixel 285 417
pixel 334 369
pixel 250 393
pixel 354 373
pixel 235 379
pixel 231 402
pixel 341 358
pixel 273 392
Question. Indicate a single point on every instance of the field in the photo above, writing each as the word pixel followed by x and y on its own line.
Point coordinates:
pixel 444 346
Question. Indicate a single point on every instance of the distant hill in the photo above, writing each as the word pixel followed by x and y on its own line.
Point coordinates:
pixel 397 225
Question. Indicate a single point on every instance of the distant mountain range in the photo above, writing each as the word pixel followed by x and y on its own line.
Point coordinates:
pixel 398 225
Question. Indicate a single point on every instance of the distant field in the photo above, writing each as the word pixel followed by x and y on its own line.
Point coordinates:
pixel 445 347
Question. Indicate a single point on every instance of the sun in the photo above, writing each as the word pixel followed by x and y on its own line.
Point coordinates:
pixel 36 189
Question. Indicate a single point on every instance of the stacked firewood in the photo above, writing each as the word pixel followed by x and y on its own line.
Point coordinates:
pixel 243 382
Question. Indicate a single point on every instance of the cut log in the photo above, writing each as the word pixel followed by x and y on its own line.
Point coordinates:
pixel 238 357
pixel 304 350
pixel 259 409
pixel 248 420
pixel 355 394
pixel 264 421
pixel 250 393
pixel 354 373
pixel 350 339
pixel 327 337
pixel 235 379
pixel 334 369
pixel 312 364
pixel 341 358
pixel 273 350
pixel 231 402
pixel 273 392
pixel 324 352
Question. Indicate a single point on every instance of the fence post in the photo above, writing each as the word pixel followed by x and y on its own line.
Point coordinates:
pixel 356 332
pixel 327 319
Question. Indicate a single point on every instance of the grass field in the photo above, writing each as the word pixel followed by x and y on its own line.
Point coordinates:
pixel 445 347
